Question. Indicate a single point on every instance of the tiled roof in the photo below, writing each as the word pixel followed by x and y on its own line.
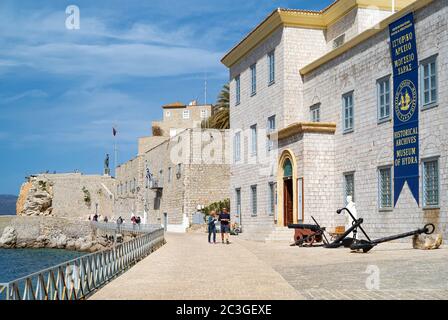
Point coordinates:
pixel 174 105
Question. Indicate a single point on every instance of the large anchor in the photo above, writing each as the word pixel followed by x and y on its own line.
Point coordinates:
pixel 367 245
pixel 344 239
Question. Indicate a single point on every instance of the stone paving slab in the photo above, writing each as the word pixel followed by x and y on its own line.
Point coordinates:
pixel 187 267
pixel 320 273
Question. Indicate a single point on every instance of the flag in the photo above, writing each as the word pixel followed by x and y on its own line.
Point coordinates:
pixel 114 131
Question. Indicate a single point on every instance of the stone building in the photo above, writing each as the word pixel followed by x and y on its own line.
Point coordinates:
pixel 174 173
pixel 312 118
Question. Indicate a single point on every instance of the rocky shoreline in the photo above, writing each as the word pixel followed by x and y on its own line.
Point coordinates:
pixel 56 233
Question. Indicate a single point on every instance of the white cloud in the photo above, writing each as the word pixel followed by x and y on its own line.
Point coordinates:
pixel 140 60
pixel 39 41
pixel 27 94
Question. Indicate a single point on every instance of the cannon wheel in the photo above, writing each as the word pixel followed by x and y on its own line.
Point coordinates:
pixel 310 239
pixel 299 241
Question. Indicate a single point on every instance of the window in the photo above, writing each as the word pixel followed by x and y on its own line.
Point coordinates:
pixel 238 200
pixel 339 41
pixel 383 98
pixel 349 186
pixel 271 60
pixel 431 183
pixel 253 193
pixel 168 114
pixel 238 89
pixel 253 73
pixel 272 198
pixel 169 174
pixel 315 113
pixel 178 170
pixel 204 114
pixel 271 128
pixel 347 112
pixel 385 188
pixel 429 82
pixel 253 148
pixel 237 147
pixel 186 114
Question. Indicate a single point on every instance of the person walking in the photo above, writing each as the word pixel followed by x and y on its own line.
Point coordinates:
pixel 224 218
pixel 119 223
pixel 212 227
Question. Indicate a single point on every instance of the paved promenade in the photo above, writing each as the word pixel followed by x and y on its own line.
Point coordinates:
pixel 187 267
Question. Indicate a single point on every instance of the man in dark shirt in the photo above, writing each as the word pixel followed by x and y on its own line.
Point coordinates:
pixel 224 218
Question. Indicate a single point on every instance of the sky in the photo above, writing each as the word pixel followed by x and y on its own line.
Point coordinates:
pixel 62 90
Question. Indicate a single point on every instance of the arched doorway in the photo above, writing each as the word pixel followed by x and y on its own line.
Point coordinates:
pixel 287 189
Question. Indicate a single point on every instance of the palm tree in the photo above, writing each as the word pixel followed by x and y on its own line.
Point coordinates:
pixel 223 98
pixel 220 118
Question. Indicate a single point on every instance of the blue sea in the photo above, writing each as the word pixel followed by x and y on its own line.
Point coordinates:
pixel 16 263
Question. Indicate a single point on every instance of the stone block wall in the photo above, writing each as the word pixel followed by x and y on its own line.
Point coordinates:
pixel 184 180
pixel 370 146
pixel 71 195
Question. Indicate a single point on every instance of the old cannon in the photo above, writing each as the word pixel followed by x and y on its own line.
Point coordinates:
pixel 308 234
pixel 366 245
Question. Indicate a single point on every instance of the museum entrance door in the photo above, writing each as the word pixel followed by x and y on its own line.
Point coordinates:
pixel 287 202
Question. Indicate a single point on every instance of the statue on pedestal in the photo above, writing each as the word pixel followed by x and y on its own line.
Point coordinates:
pixel 106 165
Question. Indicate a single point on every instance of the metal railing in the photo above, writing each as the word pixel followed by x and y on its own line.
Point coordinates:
pixel 77 279
pixel 124 227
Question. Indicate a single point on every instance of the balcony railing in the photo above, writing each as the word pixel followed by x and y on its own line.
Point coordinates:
pixel 155 184
pixel 77 279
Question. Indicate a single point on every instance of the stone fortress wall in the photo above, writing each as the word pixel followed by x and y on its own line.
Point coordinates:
pixel 180 178
pixel 72 195
pixel 180 181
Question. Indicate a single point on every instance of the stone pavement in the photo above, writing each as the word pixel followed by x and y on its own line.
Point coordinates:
pixel 187 267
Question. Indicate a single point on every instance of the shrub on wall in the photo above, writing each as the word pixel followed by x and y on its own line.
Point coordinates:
pixel 157 131
pixel 216 206
pixel 87 197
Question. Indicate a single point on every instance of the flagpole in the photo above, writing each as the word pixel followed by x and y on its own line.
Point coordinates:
pixel 115 150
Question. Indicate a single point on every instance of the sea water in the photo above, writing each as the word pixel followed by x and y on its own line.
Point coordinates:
pixel 17 263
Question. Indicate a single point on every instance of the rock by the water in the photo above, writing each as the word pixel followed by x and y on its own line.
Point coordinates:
pixel 427 242
pixel 36 198
pixel 8 238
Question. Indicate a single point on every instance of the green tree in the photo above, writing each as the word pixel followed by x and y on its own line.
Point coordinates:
pixel 220 118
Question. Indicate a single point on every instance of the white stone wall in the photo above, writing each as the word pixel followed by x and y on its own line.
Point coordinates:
pixel 345 25
pixel 294 48
pixel 68 196
pixel 370 145
pixel 353 23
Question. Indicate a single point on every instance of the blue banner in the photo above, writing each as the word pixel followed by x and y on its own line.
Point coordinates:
pixel 405 105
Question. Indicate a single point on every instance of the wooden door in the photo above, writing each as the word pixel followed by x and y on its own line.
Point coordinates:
pixel 288 202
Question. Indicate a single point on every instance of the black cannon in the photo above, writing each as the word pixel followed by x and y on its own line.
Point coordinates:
pixel 368 244
pixel 308 233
